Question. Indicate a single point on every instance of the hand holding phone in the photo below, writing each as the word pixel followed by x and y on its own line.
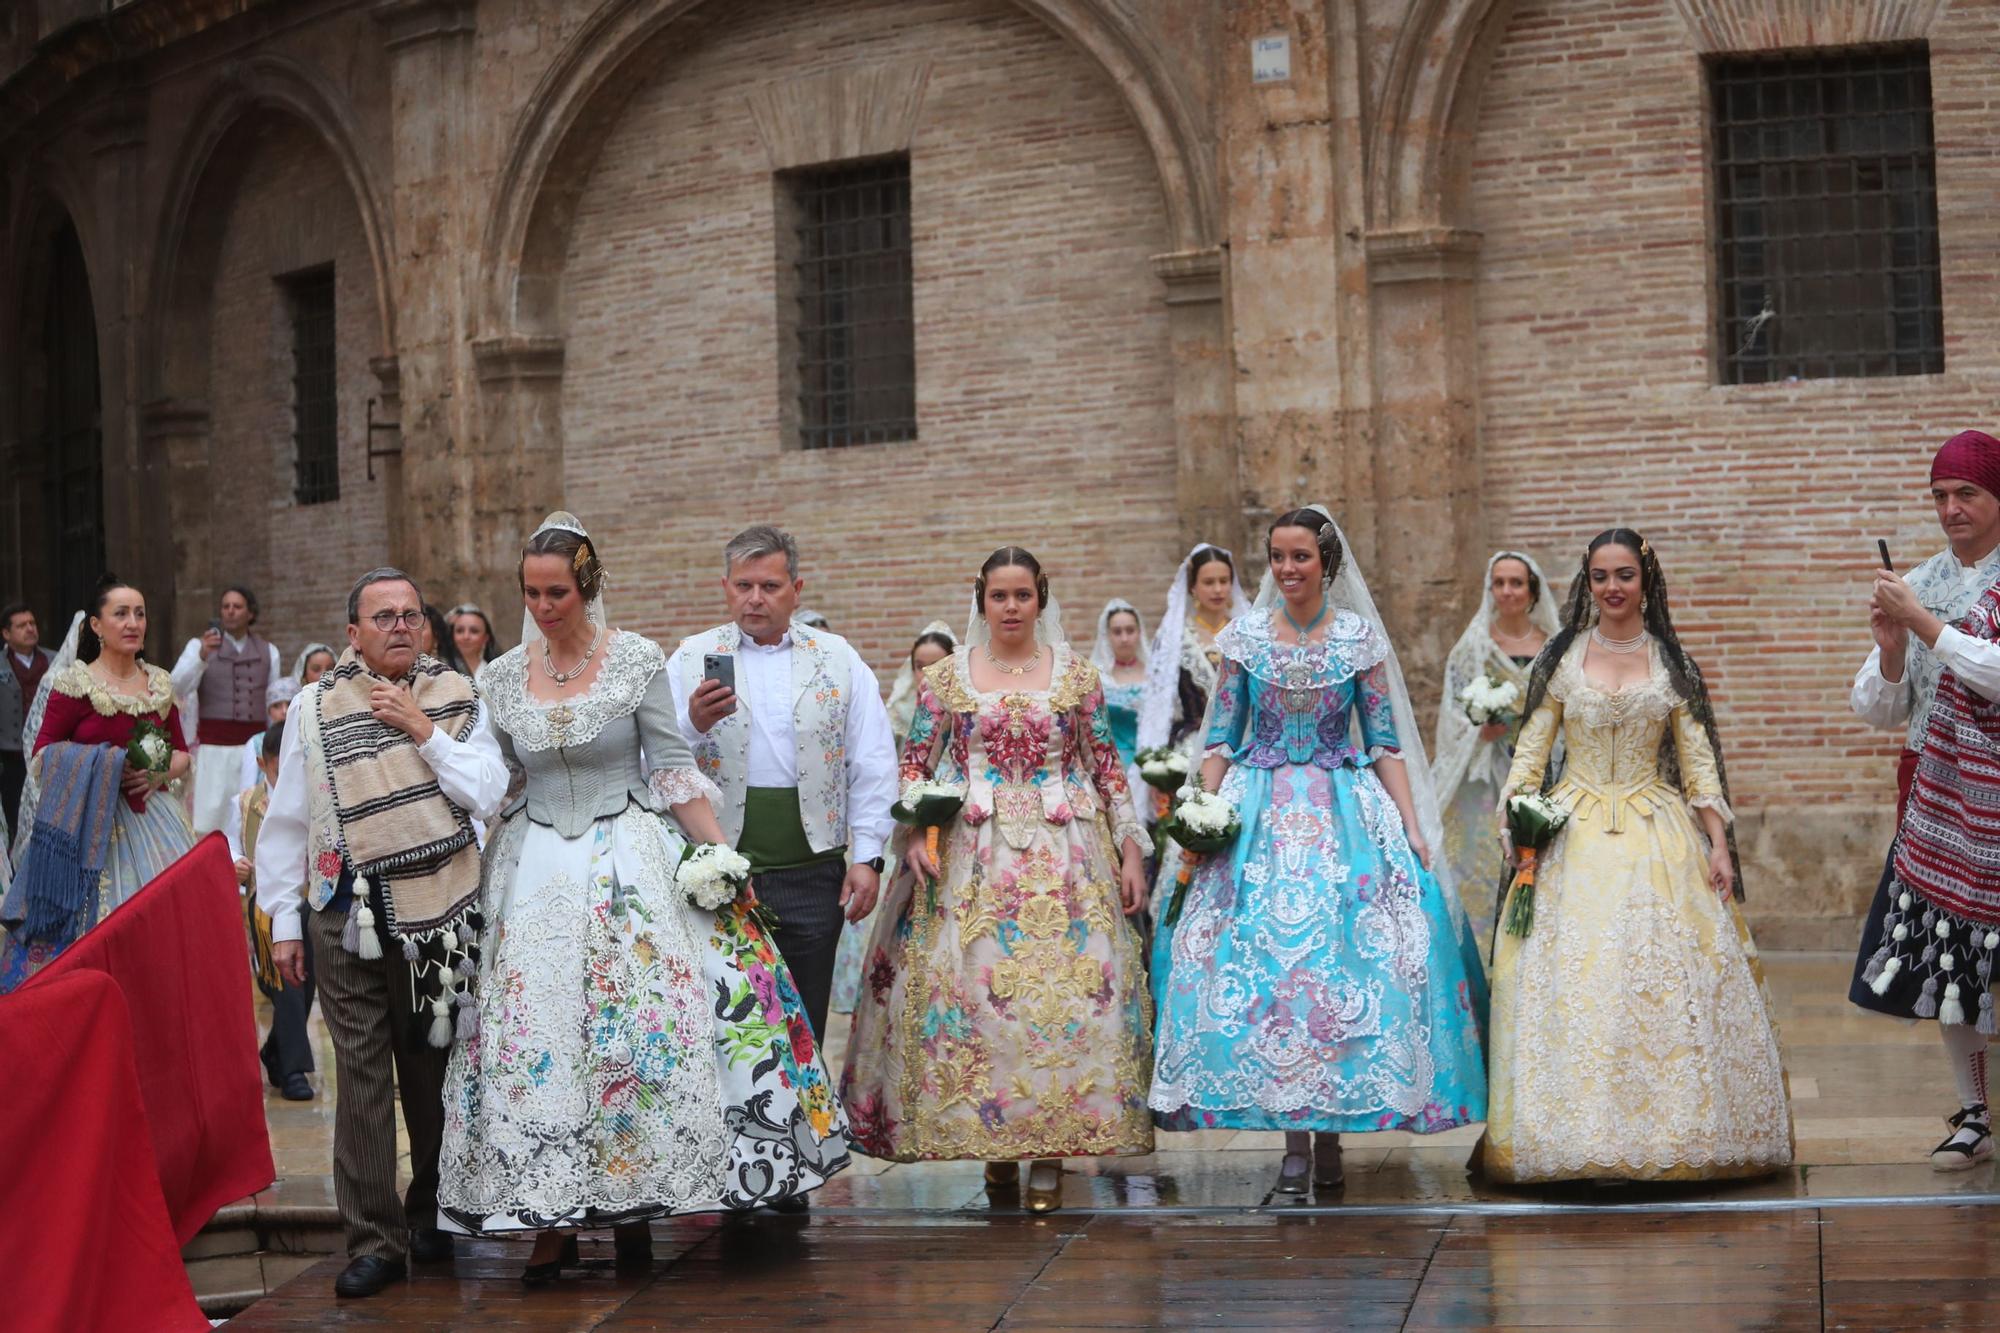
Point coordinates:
pixel 1883 547
pixel 715 698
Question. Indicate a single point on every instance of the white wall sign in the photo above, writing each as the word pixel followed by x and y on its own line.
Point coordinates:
pixel 1271 59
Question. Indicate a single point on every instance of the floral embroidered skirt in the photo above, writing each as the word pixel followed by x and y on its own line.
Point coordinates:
pixel 1003 1013
pixel 635 1055
pixel 1632 1038
pixel 1317 978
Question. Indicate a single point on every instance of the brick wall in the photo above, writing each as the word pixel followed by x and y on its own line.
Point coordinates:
pixel 1599 406
pixel 1044 399
pixel 292 211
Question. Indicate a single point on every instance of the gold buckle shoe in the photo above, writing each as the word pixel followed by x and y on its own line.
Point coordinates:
pixel 1045 1198
pixel 1003 1175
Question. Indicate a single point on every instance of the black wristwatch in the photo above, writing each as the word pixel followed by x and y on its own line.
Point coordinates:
pixel 874 863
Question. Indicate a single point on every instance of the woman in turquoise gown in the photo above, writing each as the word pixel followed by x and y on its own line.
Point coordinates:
pixel 1318 977
pixel 1119 654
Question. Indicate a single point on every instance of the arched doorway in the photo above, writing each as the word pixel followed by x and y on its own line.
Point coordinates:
pixel 59 493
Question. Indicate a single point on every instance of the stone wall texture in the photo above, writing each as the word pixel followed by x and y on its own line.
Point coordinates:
pixel 1453 277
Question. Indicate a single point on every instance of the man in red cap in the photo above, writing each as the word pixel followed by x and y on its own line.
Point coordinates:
pixel 1928 948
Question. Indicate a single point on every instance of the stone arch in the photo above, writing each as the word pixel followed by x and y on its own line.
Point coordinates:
pixel 188 241
pixel 1424 123
pixel 570 113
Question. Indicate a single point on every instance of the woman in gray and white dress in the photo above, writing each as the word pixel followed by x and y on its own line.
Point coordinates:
pixel 634 1054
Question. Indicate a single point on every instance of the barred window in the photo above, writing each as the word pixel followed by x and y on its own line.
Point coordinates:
pixel 845 276
pixel 1826 215
pixel 315 415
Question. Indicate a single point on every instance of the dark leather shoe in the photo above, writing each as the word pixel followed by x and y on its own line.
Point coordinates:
pixel 296 1089
pixel 367 1275
pixel 428 1245
pixel 793 1204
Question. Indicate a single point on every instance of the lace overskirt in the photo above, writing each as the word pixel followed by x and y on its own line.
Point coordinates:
pixel 1315 979
pixel 1632 1037
pixel 634 1054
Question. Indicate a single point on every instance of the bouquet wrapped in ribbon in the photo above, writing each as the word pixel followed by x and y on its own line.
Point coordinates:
pixel 1203 824
pixel 929 806
pixel 1485 700
pixel 1163 767
pixel 1532 823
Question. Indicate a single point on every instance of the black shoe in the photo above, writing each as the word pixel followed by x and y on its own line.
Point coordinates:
pixel 367 1275
pixel 632 1245
pixel 296 1089
pixel 428 1245
pixel 792 1205
pixel 540 1275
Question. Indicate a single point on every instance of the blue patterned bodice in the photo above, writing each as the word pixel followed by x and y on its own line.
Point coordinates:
pixel 1282 703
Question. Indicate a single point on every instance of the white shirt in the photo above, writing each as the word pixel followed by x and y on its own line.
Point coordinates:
pixel 470 772
pixel 1885 703
pixel 764 682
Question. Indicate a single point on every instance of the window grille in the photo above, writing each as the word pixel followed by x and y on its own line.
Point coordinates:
pixel 855 338
pixel 1826 215
pixel 315 412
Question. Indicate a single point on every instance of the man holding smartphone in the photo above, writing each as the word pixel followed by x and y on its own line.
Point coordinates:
pixel 221 679
pixel 1901 971
pixel 788 721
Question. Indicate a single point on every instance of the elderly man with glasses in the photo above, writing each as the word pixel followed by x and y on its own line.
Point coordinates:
pixel 387 759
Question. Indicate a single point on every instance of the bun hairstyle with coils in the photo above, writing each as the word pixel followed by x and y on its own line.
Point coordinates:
pixel 88 645
pixel 577 549
pixel 1207 555
pixel 1018 558
pixel 1323 530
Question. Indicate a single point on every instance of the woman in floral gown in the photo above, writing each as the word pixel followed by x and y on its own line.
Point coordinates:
pixel 1318 978
pixel 1003 1012
pixel 1632 1037
pixel 634 1054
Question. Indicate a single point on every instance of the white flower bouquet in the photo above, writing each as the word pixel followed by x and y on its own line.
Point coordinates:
pixel 713 876
pixel 1532 824
pixel 1488 700
pixel 151 749
pixel 1163 767
pixel 1203 824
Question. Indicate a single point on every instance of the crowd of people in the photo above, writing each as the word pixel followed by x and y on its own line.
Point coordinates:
pixel 585 905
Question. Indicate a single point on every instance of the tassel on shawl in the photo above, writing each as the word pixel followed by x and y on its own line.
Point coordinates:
pixel 1927 1005
pixel 1951 1011
pixel 364 920
pixel 1986 1023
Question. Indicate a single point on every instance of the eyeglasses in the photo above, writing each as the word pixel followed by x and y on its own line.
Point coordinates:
pixel 388 620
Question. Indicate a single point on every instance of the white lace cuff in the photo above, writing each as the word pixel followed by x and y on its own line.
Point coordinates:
pixel 1124 826
pixel 676 786
pixel 1715 803
pixel 1376 752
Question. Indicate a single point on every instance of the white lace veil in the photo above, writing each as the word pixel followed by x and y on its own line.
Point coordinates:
pixel 531 633
pixel 31 791
pixel 1350 593
pixel 305 656
pixel 1163 662
pixel 1101 654
pixel 1457 740
pixel 903 694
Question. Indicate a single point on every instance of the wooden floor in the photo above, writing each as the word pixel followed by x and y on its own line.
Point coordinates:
pixel 1927 1267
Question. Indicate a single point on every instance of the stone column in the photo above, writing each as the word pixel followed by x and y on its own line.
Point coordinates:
pixel 437 506
pixel 1430 532
pixel 518 461
pixel 174 438
pixel 1208 490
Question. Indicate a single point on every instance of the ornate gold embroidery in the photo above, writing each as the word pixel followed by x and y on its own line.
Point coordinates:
pixel 1043 970
pixel 950 690
pixel 1076 684
pixel 77 682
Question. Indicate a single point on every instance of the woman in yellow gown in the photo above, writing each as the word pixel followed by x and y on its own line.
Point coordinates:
pixel 1631 1035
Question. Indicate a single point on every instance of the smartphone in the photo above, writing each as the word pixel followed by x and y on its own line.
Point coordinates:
pixel 215 625
pixel 1883 547
pixel 719 666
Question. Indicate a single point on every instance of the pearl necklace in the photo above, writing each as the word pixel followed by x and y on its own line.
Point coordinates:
pixel 563 678
pixel 1631 645
pixel 1020 670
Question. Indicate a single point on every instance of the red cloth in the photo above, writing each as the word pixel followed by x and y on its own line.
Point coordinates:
pixel 223 731
pixel 85 1229
pixel 176 949
pixel 1970 455
pixel 1906 774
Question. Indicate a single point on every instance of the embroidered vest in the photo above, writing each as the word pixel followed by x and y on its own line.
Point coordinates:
pixel 322 825
pixel 233 683
pixel 820 695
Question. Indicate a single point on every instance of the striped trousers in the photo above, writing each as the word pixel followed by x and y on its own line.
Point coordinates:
pixel 806 900
pixel 378 1049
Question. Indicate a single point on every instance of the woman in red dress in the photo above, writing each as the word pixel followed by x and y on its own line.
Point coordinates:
pixel 94 698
